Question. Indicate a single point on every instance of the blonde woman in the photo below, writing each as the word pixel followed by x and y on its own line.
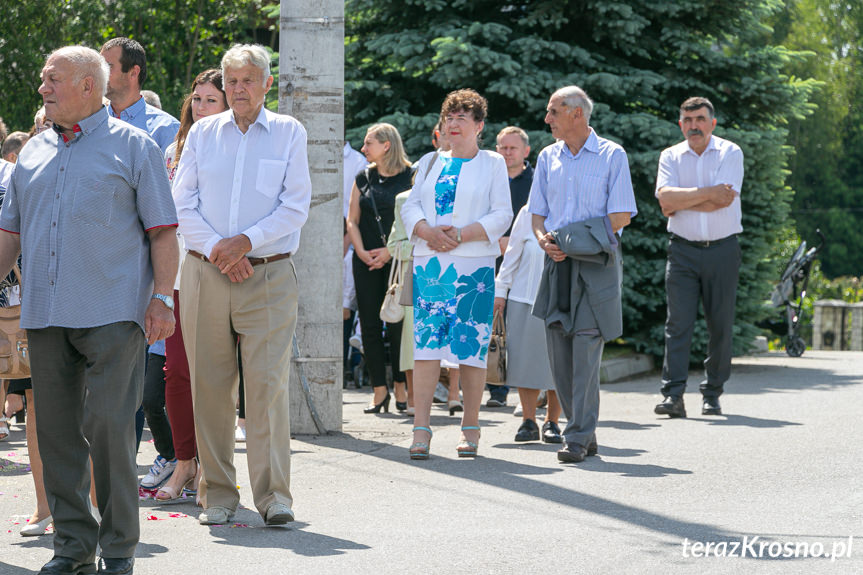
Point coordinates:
pixel 370 219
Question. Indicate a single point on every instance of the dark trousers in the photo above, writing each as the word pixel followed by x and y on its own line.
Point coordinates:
pixel 709 274
pixel 87 384
pixel 154 405
pixel 371 288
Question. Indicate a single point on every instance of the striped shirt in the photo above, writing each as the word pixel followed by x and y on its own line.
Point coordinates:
pixel 83 224
pixel 720 163
pixel 571 187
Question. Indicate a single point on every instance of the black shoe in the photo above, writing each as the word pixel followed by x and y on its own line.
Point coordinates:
pixel 496 401
pixel 385 404
pixel 711 406
pixel 67 566
pixel 592 447
pixel 116 566
pixel 551 433
pixel 528 431
pixel 401 406
pixel 571 453
pixel 671 406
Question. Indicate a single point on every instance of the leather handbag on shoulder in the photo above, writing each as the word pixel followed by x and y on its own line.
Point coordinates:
pixel 496 366
pixel 392 310
pixel 14 354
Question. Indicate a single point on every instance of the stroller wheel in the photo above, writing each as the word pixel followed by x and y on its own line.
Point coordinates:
pixel 795 345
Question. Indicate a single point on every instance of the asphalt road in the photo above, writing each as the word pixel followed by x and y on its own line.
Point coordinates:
pixel 779 474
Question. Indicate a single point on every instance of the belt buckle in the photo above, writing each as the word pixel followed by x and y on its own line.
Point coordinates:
pixel 705 244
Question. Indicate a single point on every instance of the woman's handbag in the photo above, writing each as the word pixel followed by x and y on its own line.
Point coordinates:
pixel 14 354
pixel 496 367
pixel 392 310
pixel 407 292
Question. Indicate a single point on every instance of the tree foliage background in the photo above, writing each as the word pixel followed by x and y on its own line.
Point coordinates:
pixel 827 170
pixel 182 38
pixel 638 59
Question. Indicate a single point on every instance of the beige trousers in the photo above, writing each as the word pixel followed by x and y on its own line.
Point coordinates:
pixel 262 312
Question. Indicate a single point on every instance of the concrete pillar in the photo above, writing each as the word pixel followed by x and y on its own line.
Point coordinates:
pixel 856 326
pixel 311 88
pixel 829 327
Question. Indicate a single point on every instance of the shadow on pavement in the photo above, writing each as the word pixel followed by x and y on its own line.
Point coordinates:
pixel 7 569
pixel 292 537
pixel 745 421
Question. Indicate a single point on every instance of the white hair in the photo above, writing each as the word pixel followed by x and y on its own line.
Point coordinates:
pixel 244 54
pixel 575 97
pixel 87 62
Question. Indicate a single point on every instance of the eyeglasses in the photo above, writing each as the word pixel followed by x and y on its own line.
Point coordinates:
pixel 457 119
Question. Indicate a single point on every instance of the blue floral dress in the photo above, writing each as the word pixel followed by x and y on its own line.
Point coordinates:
pixel 453 295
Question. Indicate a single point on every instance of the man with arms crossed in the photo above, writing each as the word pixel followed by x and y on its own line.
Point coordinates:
pixel 90 208
pixel 242 191
pixel 580 177
pixel 698 188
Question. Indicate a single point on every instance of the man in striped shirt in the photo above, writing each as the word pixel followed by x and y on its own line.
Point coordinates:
pixel 698 188
pixel 580 177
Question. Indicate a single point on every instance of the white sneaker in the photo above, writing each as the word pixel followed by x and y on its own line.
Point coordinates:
pixel 518 410
pixel 441 394
pixel 356 341
pixel 542 400
pixel 159 472
pixel 240 434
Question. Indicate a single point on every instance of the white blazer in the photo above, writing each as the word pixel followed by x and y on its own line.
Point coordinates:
pixel 482 195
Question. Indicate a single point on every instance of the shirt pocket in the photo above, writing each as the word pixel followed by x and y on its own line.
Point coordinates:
pixel 593 192
pixel 271 173
pixel 93 204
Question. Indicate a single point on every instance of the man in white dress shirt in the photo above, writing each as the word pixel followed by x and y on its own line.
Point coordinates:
pixel 698 187
pixel 242 191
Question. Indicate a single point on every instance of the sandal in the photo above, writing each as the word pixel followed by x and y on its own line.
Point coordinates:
pixel 4 428
pixel 467 448
pixel 171 494
pixel 419 449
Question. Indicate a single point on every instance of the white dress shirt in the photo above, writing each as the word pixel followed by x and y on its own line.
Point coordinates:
pixel 720 163
pixel 523 261
pixel 256 184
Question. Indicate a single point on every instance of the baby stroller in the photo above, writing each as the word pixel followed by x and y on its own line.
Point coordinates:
pixel 792 289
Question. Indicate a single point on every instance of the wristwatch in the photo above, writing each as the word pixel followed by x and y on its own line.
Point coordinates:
pixel 165 299
pixel 458 235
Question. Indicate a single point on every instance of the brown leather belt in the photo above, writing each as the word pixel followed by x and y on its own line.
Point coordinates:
pixel 253 261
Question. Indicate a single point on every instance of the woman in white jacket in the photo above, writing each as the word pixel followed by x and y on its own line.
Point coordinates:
pixel 457 210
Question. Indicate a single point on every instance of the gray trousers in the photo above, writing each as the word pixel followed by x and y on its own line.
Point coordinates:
pixel 575 361
pixel 709 274
pixel 87 384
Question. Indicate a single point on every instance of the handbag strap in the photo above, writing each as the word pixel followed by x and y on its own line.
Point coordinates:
pixel 371 194
pixel 395 263
pixel 497 325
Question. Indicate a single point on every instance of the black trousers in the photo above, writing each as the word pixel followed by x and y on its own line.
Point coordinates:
pixel 371 288
pixel 709 274
pixel 154 405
